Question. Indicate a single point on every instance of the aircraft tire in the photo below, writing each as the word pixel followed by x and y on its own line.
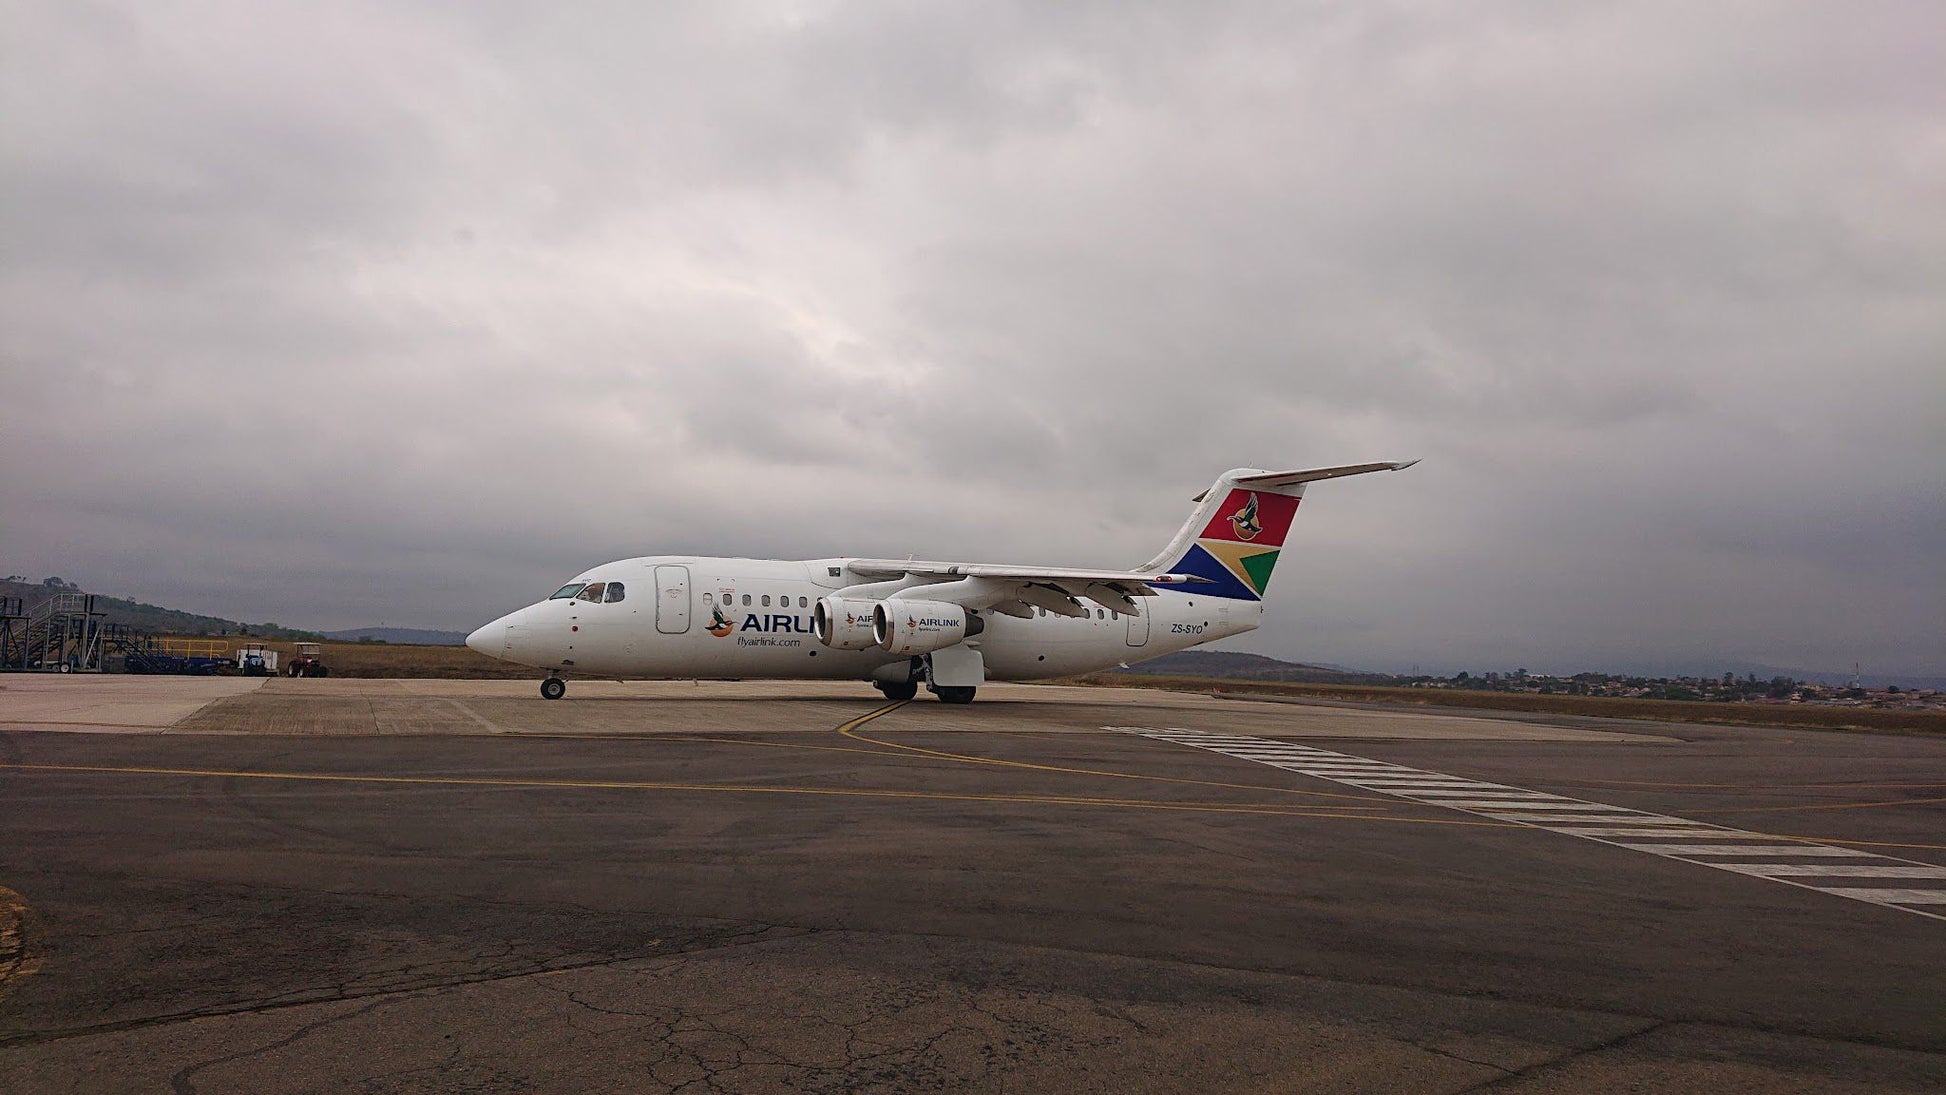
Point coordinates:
pixel 553 688
pixel 904 690
pixel 956 695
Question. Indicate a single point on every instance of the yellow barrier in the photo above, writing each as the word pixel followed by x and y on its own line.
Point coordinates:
pixel 196 648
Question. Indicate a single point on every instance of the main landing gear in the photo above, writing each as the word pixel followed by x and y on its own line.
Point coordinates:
pixel 948 694
pixel 553 688
pixel 902 690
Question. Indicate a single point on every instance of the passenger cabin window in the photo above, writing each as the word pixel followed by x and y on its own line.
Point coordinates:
pixel 804 602
pixel 592 592
pixel 566 591
pixel 616 591
pixel 766 600
pixel 709 598
pixel 746 600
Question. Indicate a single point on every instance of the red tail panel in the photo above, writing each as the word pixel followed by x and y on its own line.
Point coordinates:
pixel 1252 517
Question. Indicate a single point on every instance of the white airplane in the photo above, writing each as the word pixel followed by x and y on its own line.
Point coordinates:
pixel 901 623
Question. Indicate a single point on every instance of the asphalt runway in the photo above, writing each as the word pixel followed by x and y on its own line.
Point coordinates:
pixel 455 886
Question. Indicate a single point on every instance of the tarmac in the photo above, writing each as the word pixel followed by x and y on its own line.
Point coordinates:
pixel 224 885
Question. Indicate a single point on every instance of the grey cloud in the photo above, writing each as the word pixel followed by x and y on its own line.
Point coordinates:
pixel 404 312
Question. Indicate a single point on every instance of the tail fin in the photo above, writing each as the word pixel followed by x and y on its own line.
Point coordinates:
pixel 1234 534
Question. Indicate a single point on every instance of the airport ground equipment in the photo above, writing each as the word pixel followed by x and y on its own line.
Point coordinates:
pixel 308 662
pixel 62 634
pixel 256 661
pixel 141 652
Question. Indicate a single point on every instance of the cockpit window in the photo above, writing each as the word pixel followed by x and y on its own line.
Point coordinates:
pixel 567 591
pixel 591 592
pixel 616 591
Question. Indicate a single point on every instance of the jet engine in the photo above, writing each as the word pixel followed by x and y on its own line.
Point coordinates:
pixel 844 623
pixel 920 627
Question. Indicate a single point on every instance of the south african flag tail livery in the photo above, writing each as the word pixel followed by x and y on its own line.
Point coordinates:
pixel 1232 540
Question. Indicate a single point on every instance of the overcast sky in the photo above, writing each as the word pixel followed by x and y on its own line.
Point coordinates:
pixel 339 315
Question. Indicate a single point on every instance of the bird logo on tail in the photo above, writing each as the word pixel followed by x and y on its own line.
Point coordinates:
pixel 1244 521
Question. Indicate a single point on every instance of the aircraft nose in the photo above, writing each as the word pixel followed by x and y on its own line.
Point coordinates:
pixel 479 639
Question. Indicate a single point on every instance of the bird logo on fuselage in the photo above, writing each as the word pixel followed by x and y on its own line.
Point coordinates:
pixel 1244 521
pixel 719 624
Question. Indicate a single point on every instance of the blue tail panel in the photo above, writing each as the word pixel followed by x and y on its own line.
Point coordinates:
pixel 1221 583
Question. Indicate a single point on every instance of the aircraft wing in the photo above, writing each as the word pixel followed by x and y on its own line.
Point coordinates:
pixel 1017 590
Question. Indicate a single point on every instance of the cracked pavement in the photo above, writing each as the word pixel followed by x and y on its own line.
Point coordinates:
pixel 661 913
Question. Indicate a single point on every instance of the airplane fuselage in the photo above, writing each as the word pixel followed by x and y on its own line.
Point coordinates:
pixel 903 623
pixel 691 617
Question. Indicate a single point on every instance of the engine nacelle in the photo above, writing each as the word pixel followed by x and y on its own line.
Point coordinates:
pixel 921 627
pixel 844 623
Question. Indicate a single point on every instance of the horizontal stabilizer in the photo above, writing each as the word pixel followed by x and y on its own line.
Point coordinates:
pixel 1274 480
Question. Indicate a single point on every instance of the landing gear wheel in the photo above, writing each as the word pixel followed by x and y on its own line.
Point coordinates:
pixel 955 695
pixel 904 690
pixel 553 688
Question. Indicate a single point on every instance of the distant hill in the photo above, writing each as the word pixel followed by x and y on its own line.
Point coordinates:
pixel 151 618
pixel 405 636
pixel 1254 667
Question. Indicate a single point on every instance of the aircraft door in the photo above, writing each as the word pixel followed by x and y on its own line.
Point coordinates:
pixel 1138 627
pixel 672 599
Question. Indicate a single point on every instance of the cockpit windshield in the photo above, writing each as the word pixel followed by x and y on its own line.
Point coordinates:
pixel 592 592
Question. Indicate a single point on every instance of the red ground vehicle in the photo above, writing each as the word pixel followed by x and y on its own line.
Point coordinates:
pixel 308 662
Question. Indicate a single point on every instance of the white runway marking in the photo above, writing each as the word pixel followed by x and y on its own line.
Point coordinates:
pixel 1799 850
pixel 1848 870
pixel 1756 855
pixel 1902 897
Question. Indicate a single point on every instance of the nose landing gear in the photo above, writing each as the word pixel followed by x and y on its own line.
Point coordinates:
pixel 553 688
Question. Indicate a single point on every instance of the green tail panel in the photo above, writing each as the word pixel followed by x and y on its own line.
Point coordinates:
pixel 1258 567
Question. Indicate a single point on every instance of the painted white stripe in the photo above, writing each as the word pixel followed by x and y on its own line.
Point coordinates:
pixel 1487 792
pixel 1281 755
pixel 1219 743
pixel 1847 870
pixel 1329 762
pixel 1900 897
pixel 1700 834
pixel 1499 803
pixel 1806 850
pixel 1336 766
pixel 1631 819
pixel 1410 784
